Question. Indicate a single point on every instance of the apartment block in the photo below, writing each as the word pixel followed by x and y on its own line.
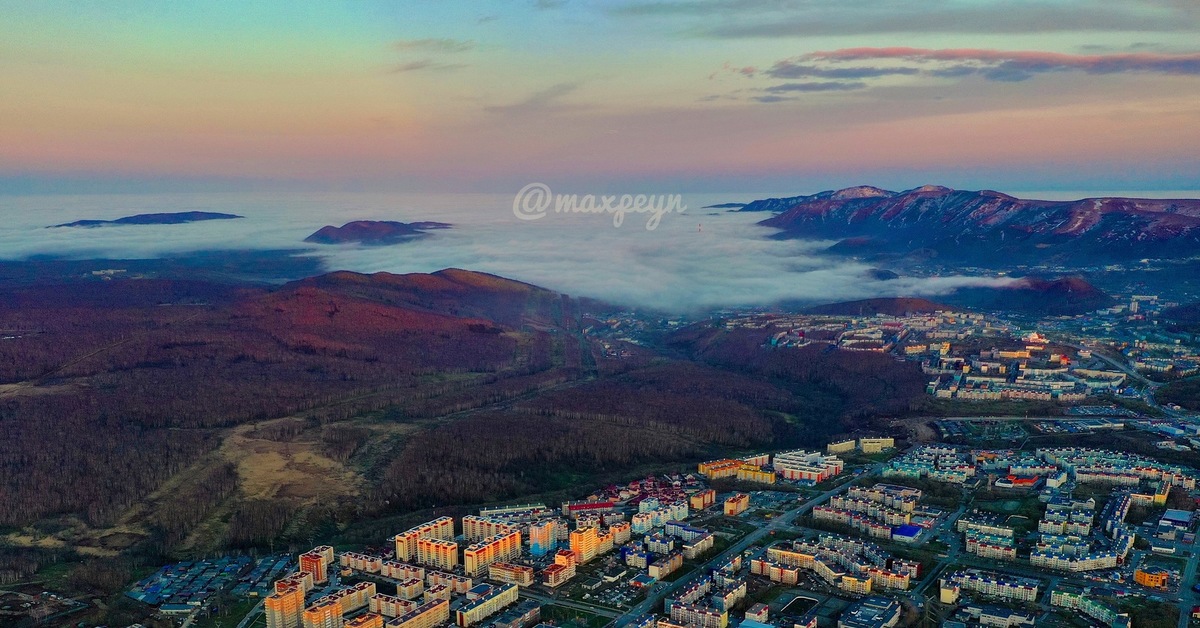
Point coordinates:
pixel 437 592
pixel 410 588
pixel 1075 599
pixel 751 473
pixel 406 542
pixel 456 583
pixel 702 499
pixel 401 571
pixel 585 544
pixel 622 532
pixel 665 565
pixel 317 562
pixel 389 605
pixel 737 504
pixel 479 528
pixel 840 447
pixel 361 562
pixel 717 469
pixel 284 609
pixel 483 602
pixel 301 579
pixel 876 444
pixel 561 571
pixel 807 466
pixel 427 615
pixel 366 620
pixel 508 573
pixel 501 548
pixel 437 553
pixel 993 584
pixel 544 536
pixel 325 613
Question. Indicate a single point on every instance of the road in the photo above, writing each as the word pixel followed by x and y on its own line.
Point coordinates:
pixel 1187 597
pixel 784 521
pixel 252 615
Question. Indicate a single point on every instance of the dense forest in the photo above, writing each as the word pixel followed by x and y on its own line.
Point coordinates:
pixel 1185 392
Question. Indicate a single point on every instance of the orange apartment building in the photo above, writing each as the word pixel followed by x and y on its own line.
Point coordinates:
pixel 702 499
pixel 324 614
pixel 317 562
pixel 584 544
pixel 479 528
pixel 494 549
pixel 737 504
pixel 390 605
pixel 456 583
pixel 406 542
pixel 285 607
pixel 508 573
pixel 717 469
pixel 561 571
pixel 437 592
pixel 302 579
pixel 410 588
pixel 437 553
pixel 1153 578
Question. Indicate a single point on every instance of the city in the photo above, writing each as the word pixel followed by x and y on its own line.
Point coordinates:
pixel 863 534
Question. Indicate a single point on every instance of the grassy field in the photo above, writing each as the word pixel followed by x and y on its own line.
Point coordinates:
pixel 569 617
pixel 229 614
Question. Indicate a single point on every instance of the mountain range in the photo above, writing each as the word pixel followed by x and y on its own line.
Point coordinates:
pixel 987 227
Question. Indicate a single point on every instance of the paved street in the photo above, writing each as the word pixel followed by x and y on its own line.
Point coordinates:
pixel 783 522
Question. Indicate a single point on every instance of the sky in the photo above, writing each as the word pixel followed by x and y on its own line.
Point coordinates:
pixel 659 96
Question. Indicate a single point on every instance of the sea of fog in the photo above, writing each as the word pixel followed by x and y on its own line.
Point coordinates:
pixel 697 259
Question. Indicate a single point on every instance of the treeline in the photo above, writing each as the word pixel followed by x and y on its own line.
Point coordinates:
pixel 667 412
pixel 842 386
pixel 176 514
pixel 258 523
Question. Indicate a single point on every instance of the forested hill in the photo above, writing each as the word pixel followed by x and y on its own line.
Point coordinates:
pixel 225 415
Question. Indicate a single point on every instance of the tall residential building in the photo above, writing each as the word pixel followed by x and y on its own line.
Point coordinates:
pixel 437 553
pixel 317 562
pixel 544 535
pixel 325 613
pixel 479 528
pixel 585 544
pixel 406 542
pixel 495 549
pixel 302 579
pixel 283 609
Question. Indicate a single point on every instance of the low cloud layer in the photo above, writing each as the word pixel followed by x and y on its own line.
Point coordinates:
pixel 694 261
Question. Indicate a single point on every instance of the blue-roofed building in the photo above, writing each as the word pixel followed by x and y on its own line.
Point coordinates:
pixel 906 533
